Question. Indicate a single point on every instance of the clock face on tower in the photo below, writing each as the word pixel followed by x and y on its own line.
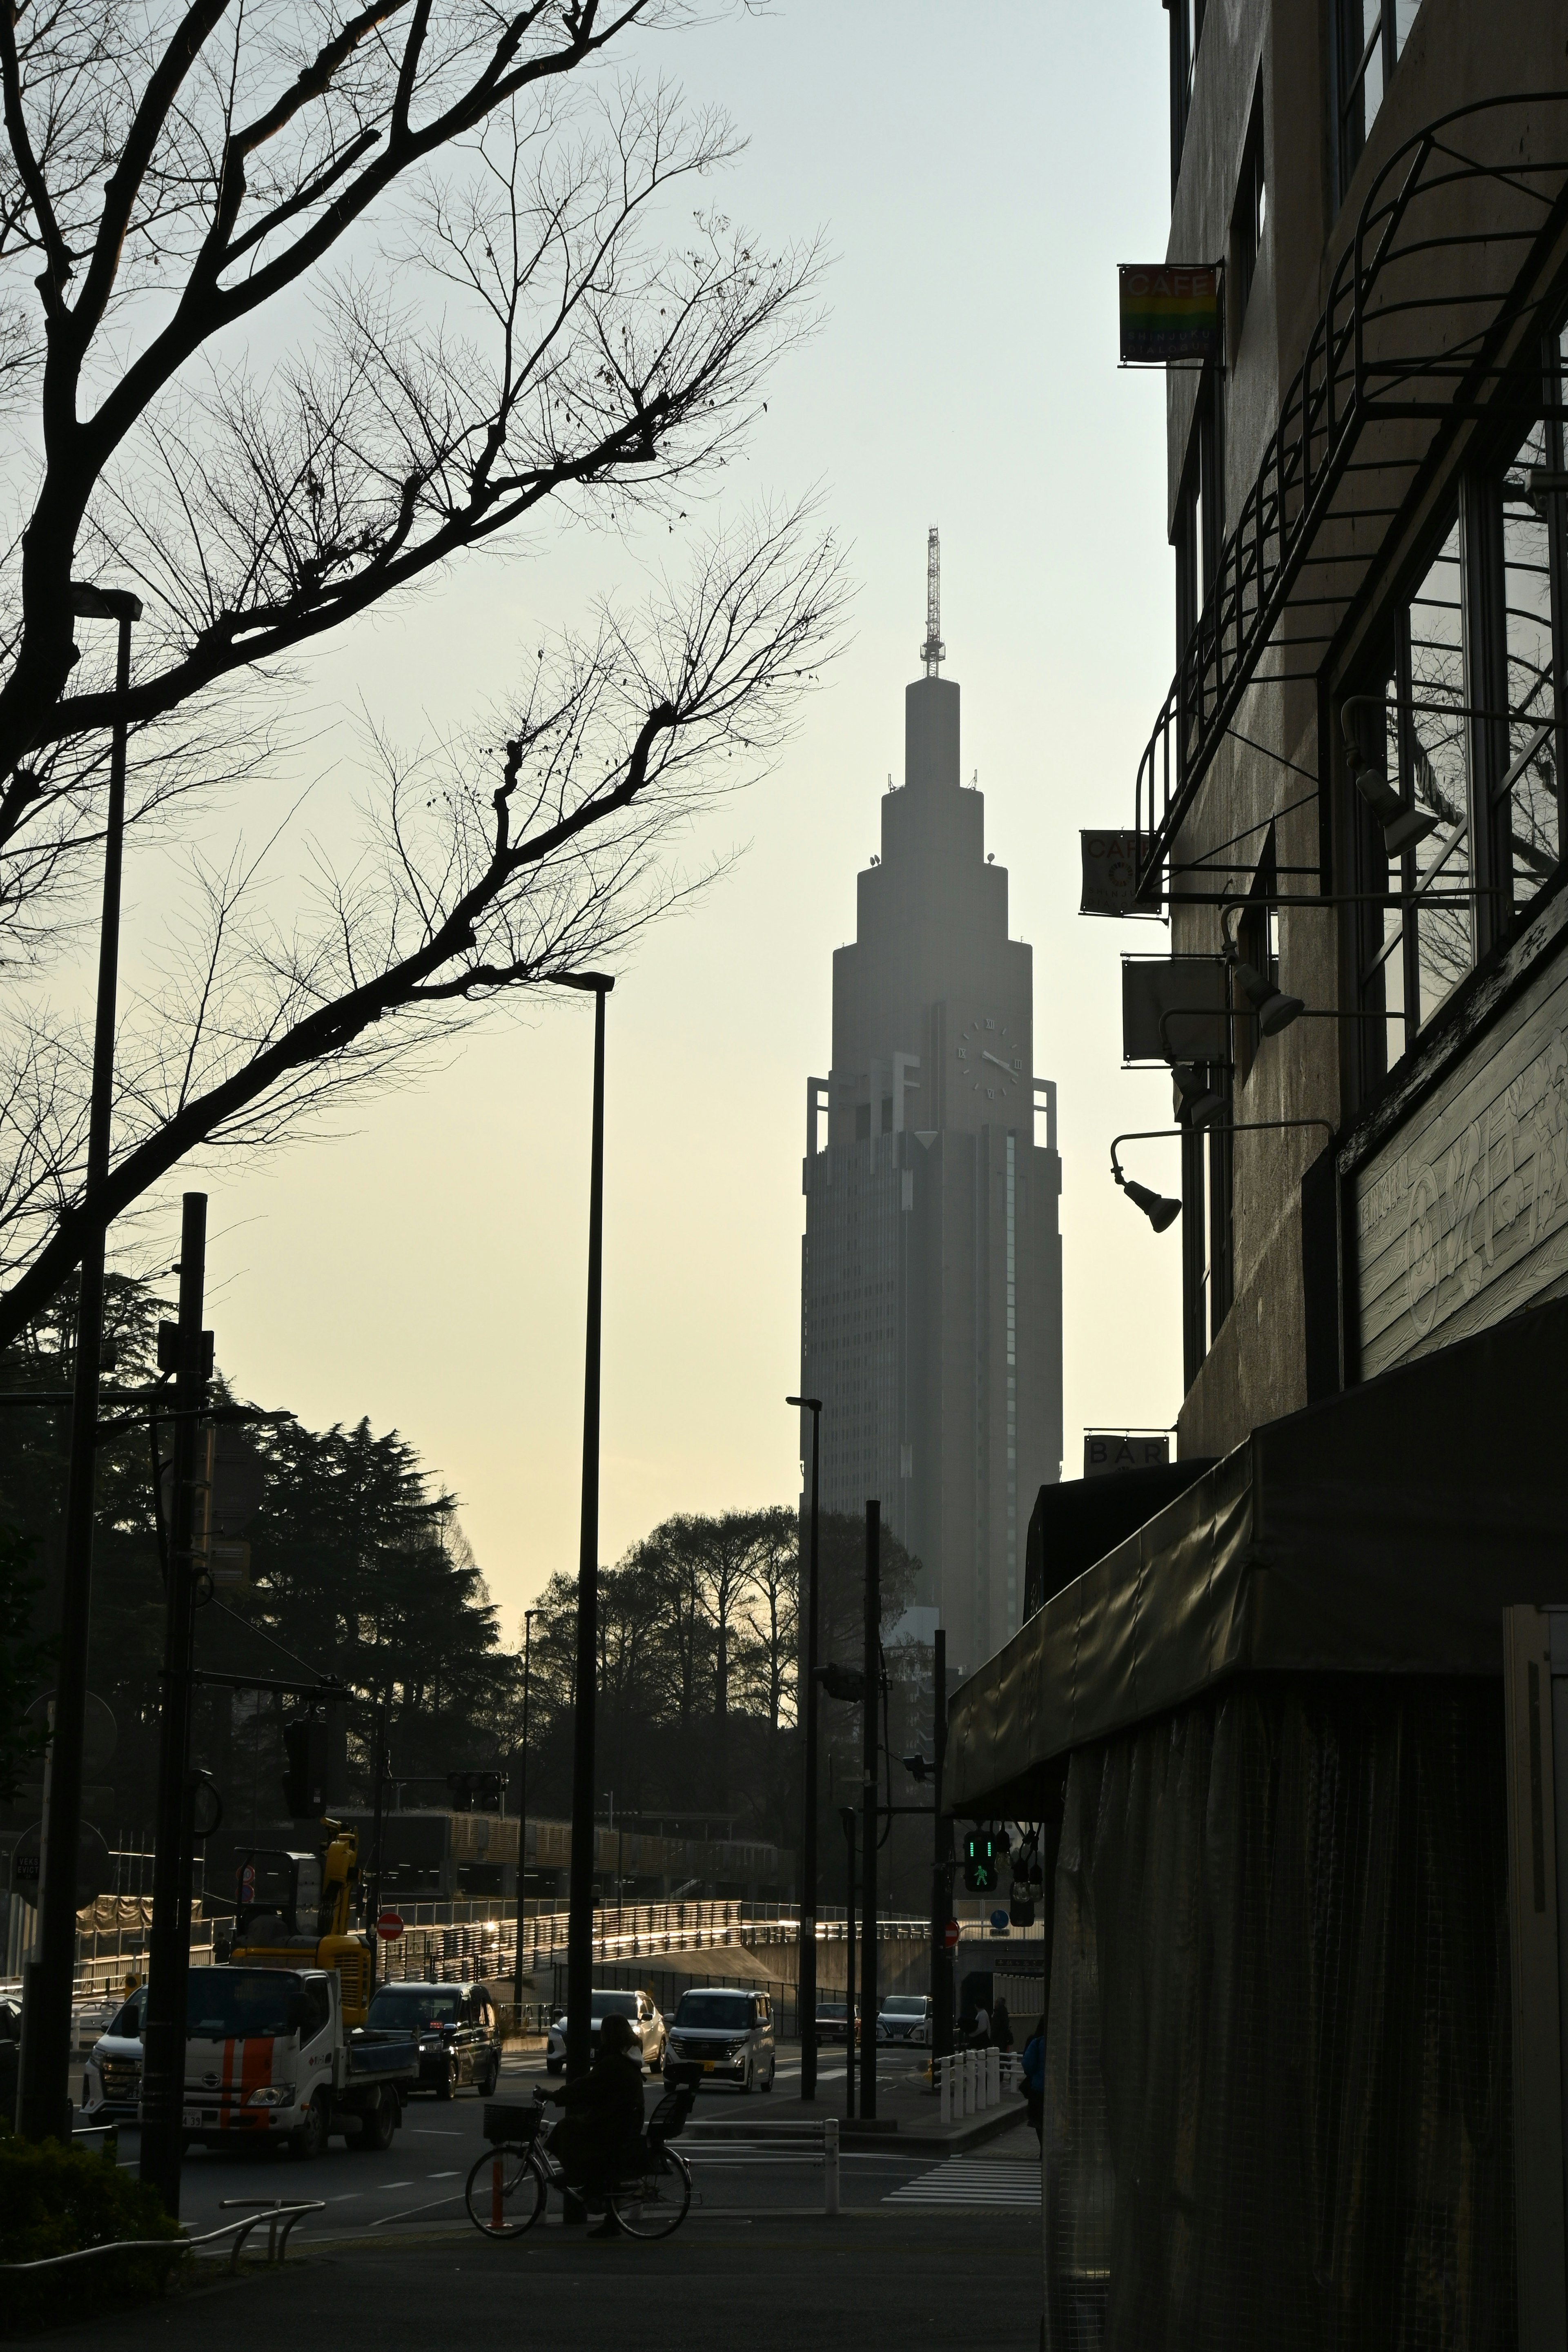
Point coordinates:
pixel 989 1062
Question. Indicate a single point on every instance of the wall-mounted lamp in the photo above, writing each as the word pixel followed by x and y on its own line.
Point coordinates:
pixel 1362 720
pixel 1272 1009
pixel 1161 1210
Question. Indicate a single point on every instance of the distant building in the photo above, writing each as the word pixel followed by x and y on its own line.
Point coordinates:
pixel 930 1283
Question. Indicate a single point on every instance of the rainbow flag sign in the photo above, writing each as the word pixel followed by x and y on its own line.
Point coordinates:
pixel 1169 311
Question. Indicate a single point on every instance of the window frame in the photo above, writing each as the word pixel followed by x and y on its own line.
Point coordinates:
pixel 1248 220
pixel 1500 901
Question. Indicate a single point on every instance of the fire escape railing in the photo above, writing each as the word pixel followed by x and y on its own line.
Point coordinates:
pixel 1388 356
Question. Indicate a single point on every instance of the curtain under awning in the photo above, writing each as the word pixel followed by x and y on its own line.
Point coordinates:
pixel 1381 1531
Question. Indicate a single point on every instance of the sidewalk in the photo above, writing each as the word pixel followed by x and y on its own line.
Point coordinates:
pixel 909 2114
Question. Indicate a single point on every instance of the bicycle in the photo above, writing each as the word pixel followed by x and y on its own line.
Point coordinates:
pixel 508 2186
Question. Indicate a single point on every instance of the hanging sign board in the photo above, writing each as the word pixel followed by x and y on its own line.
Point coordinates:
pixel 1168 312
pixel 1111 876
pixel 1105 1451
pixel 1175 1009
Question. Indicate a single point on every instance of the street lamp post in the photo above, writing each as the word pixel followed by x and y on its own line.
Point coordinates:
pixel 846 1815
pixel 806 1973
pixel 44 2096
pixel 580 1905
pixel 528 1617
pixel 869 1753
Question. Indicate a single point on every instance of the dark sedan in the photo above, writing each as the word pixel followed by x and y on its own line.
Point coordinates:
pixel 830 2017
pixel 454 2027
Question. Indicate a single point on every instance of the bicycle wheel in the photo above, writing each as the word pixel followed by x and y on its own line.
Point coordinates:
pixel 657 2201
pixel 505 2193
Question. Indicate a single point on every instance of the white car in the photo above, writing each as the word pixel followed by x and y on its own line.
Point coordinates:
pixel 905 2017
pixel 609 2000
pixel 111 2079
pixel 727 2033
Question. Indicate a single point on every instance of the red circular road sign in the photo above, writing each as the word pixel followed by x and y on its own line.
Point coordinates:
pixel 949 1936
pixel 389 1926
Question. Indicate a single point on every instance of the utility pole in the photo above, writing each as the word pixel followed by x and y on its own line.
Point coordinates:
pixel 528 1617
pixel 378 1771
pixel 869 1751
pixel 846 1815
pixel 44 2103
pixel 942 1865
pixel 169 1940
pixel 807 1953
pixel 580 1907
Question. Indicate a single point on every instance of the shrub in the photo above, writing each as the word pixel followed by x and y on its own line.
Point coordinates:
pixel 55 2199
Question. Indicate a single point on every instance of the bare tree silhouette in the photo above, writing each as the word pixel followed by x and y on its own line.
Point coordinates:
pixel 477 203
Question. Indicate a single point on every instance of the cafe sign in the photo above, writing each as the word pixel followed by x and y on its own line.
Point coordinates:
pixel 1169 310
pixel 1462 1217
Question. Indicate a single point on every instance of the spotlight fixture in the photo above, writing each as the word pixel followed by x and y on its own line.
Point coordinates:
pixel 1272 1009
pixel 1362 721
pixel 1160 1211
pixel 1195 1100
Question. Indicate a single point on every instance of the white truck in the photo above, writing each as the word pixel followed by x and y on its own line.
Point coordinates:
pixel 268 2057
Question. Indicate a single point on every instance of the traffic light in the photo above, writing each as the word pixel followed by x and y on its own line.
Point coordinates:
pixel 981 1868
pixel 305 1766
pixel 476 1792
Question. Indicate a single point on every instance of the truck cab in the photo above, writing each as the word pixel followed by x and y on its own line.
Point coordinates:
pixel 268 2057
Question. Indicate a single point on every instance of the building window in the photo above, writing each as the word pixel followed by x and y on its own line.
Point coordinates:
pixel 1186 30
pixel 1207 1204
pixel 1414 955
pixel 1257 939
pixel 1248 219
pixel 1475 707
pixel 1520 732
pixel 1199 528
pixel 1371 40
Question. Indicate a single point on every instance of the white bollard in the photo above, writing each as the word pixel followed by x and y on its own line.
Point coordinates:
pixel 992 2077
pixel 969 2082
pixel 831 2164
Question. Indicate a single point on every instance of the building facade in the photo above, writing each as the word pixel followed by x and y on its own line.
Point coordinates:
pixel 930 1279
pixel 1308 1801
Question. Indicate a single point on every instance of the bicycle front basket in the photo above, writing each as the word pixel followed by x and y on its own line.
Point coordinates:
pixel 505 2121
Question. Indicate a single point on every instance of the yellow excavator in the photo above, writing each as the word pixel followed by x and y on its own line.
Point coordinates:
pixel 292 1911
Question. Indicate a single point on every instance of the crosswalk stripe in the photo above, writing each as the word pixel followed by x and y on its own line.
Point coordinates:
pixel 970 2180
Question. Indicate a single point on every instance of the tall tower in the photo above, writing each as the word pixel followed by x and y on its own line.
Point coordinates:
pixel 930 1279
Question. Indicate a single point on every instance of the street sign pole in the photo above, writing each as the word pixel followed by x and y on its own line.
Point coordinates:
pixel 169 1939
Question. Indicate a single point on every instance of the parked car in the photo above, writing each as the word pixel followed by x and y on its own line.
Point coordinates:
pixel 613 2000
pixel 454 2027
pixel 830 2017
pixel 111 2079
pixel 904 2017
pixel 729 2034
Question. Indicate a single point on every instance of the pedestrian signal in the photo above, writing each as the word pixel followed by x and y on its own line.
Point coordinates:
pixel 979 1862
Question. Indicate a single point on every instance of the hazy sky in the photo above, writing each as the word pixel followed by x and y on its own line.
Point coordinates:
pixel 979 170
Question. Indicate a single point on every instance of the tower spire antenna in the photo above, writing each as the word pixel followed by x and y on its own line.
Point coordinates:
pixel 933 651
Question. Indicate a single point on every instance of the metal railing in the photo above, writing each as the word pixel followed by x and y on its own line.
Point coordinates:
pixel 281 2219
pixel 1392 372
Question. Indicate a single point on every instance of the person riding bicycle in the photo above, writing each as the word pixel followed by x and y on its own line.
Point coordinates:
pixel 599 2138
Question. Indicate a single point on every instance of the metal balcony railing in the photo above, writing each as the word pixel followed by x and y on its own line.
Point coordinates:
pixel 1434 315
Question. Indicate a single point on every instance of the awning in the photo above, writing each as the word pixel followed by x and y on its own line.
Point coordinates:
pixel 1379 1532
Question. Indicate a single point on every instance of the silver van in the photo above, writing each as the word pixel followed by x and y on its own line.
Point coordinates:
pixel 727 2032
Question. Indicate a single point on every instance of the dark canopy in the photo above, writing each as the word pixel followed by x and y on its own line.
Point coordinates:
pixel 1379 1532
